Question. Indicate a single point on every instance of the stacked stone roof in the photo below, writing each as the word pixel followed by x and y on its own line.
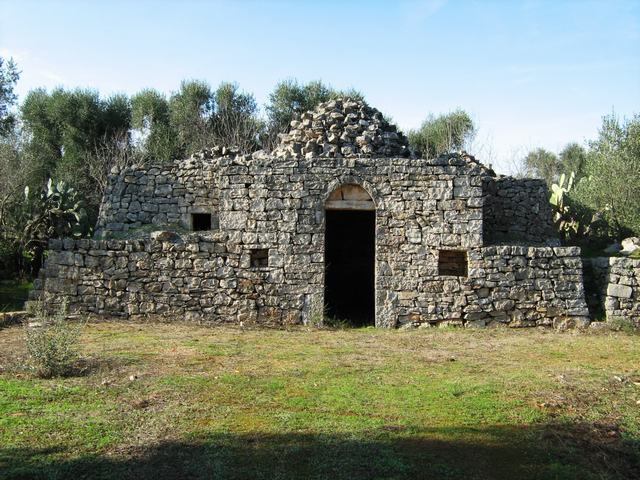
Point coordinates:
pixel 342 128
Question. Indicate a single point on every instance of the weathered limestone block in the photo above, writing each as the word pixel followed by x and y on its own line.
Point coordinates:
pixel 619 291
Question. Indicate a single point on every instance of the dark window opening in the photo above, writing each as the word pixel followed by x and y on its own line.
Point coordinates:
pixel 452 262
pixel 350 266
pixel 260 257
pixel 200 221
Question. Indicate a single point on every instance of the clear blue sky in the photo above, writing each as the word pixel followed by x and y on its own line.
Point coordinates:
pixel 531 73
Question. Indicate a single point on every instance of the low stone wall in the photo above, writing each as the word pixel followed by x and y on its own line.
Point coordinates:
pixel 613 288
pixel 209 278
pixel 510 285
pixel 203 278
pixel 517 210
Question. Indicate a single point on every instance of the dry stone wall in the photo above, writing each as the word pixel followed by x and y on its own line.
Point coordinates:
pixel 422 207
pixel 613 288
pixel 530 286
pixel 517 211
pixel 209 278
pixel 506 285
pixel 196 277
pixel 158 195
pixel 262 258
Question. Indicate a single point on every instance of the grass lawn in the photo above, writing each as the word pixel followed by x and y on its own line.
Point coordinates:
pixel 13 294
pixel 179 401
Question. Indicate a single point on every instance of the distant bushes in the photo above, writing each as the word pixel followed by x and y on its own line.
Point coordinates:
pixel 600 200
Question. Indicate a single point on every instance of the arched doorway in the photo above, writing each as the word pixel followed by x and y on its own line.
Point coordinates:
pixel 349 289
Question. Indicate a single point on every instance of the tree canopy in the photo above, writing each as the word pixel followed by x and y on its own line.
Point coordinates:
pixel 442 134
pixel 543 164
pixel 63 126
pixel 9 76
pixel 572 159
pixel 611 181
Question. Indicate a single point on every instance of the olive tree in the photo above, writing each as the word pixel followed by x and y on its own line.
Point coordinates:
pixel 572 159
pixel 442 134
pixel 9 76
pixel 543 164
pixel 236 122
pixel 611 182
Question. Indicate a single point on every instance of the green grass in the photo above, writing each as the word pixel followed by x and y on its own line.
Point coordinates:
pixel 180 401
pixel 13 294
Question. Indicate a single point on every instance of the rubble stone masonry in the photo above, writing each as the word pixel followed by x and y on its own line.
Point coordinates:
pixel 262 256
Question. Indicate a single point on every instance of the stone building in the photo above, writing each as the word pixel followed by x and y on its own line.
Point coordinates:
pixel 340 220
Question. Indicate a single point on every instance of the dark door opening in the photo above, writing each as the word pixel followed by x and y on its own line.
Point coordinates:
pixel 350 266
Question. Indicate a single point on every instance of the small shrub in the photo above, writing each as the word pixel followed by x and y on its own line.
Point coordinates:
pixel 52 342
pixel 624 324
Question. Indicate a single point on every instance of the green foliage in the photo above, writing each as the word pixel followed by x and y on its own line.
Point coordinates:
pixel 190 112
pixel 148 108
pixel 151 117
pixel 193 118
pixel 236 122
pixel 290 98
pixel 442 134
pixel 13 178
pixel 572 158
pixel 624 324
pixel 561 213
pixel 52 342
pixel 9 76
pixel 572 219
pixel 228 98
pixel 31 210
pixel 13 294
pixel 63 128
pixel 44 131
pixel 611 185
pixel 559 189
pixel 56 211
pixel 543 164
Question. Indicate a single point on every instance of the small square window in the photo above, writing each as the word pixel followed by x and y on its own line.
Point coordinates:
pixel 453 263
pixel 260 257
pixel 200 221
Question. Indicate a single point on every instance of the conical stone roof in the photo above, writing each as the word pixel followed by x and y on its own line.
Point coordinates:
pixel 342 128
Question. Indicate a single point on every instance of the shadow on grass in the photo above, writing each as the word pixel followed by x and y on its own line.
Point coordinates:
pixel 500 452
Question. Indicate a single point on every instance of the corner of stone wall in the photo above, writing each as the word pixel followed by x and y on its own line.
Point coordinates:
pixel 613 289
